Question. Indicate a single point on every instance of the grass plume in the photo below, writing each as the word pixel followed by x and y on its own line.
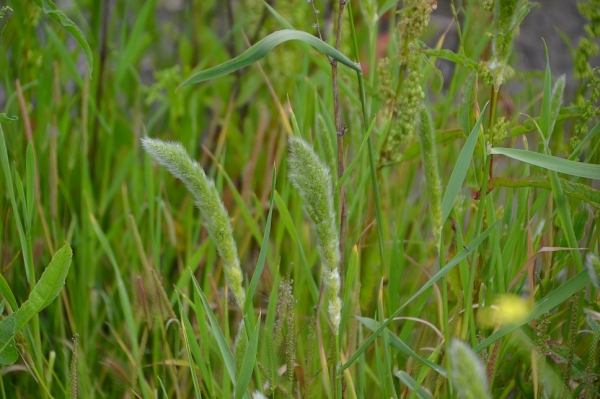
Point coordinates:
pixel 216 220
pixel 313 180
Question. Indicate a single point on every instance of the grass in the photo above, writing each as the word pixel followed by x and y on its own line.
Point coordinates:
pixel 495 275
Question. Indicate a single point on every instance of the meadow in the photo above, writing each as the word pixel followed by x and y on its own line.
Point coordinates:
pixel 251 199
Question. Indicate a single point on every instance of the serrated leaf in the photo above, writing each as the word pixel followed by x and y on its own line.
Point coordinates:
pixel 260 50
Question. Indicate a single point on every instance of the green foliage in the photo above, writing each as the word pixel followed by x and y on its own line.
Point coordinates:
pixel 500 163
pixel 43 294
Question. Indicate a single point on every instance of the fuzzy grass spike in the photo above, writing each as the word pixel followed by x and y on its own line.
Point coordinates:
pixel 468 373
pixel 174 157
pixel 313 180
pixel 432 174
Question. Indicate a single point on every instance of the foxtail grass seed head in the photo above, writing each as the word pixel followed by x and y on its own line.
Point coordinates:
pixel 508 14
pixel 240 346
pixel 216 220
pixel 432 176
pixel 468 374
pixel 313 180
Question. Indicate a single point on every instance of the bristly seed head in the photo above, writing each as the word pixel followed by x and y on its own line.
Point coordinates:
pixel 216 220
pixel 313 180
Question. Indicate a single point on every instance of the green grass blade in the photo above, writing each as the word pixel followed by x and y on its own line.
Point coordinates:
pixel 460 169
pixel 191 346
pixel 551 301
pixel 441 273
pixel 262 256
pixel 30 184
pixel 8 294
pixel 550 162
pixel 592 133
pixel 64 55
pixel 278 16
pixel 121 289
pixel 47 288
pixel 11 193
pixel 241 388
pixel 228 358
pixel 349 278
pixel 8 349
pixel 357 157
pixel 397 343
pixel 135 41
pixel 412 384
pixel 284 213
pixel 260 50
pixel 577 191
pixel 50 8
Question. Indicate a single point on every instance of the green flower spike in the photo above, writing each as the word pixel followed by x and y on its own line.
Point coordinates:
pixel 313 180
pixel 216 220
pixel 468 374
pixel 432 174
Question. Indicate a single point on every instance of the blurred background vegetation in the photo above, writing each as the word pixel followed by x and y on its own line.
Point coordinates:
pixel 134 229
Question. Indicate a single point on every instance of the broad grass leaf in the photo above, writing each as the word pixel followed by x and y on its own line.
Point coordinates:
pixel 50 8
pixel 550 162
pixel 226 354
pixel 47 288
pixel 260 50
pixel 412 384
pixel 243 380
pixel 397 343
pixel 8 350
pixel 264 247
pixel 578 191
pixel 449 55
pixel 8 294
pixel 460 169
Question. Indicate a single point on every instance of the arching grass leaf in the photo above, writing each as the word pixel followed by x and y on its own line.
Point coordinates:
pixel 50 8
pixel 47 288
pixel 260 50
pixel 550 162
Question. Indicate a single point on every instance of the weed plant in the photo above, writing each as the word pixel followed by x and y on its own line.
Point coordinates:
pixel 349 225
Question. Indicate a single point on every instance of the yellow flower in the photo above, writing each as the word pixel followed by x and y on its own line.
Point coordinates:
pixel 509 309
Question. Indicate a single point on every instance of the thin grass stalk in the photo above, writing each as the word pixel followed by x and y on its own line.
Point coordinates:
pixel 370 147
